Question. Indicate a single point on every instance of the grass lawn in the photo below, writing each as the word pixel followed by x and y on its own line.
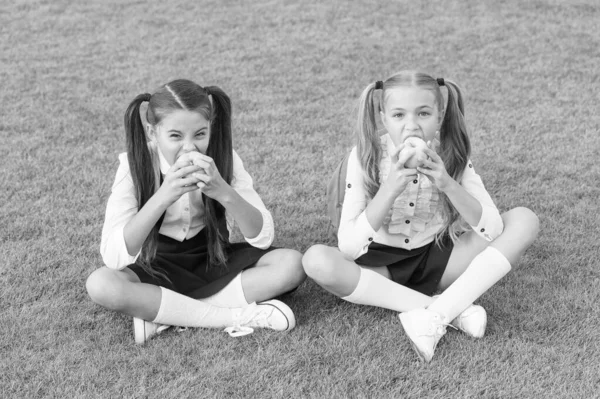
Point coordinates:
pixel 294 70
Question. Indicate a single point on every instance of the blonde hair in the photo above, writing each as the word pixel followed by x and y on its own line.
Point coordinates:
pixel 455 147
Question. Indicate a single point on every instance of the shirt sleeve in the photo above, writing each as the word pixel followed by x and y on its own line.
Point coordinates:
pixel 242 184
pixel 490 225
pixel 121 207
pixel 355 233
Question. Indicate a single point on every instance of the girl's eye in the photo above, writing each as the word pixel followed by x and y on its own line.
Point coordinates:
pixel 174 136
pixel 201 134
pixel 398 115
pixel 424 113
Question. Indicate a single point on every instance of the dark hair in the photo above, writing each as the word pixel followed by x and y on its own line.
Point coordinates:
pixel 455 147
pixel 212 103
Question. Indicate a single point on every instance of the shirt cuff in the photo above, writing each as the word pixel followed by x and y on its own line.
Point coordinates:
pixel 490 225
pixel 115 254
pixel 265 238
pixel 354 242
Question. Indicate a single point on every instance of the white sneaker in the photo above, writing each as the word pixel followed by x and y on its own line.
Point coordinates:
pixel 424 329
pixel 272 314
pixel 144 330
pixel 472 321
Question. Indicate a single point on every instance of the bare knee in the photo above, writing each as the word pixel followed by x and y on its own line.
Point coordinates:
pixel 291 261
pixel 524 223
pixel 319 261
pixel 106 288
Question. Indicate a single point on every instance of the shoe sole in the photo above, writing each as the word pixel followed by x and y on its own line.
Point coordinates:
pixel 285 310
pixel 139 331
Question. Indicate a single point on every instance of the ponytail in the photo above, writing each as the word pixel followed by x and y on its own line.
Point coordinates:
pixel 212 103
pixel 143 174
pixel 220 149
pixel 455 150
pixel 368 141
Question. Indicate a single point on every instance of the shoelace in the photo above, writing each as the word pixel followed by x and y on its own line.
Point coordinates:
pixel 258 317
pixel 438 329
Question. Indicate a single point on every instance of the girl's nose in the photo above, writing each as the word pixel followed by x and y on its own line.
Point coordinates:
pixel 188 146
pixel 411 124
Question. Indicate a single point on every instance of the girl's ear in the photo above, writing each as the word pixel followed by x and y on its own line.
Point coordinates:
pixel 150 132
pixel 441 118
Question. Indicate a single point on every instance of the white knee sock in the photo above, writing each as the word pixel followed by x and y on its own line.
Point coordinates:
pixel 180 310
pixel 484 271
pixel 232 296
pixel 376 290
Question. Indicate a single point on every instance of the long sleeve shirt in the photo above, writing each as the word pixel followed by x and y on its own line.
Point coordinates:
pixel 182 220
pixel 415 216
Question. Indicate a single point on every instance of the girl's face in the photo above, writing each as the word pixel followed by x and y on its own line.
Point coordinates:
pixel 181 131
pixel 410 111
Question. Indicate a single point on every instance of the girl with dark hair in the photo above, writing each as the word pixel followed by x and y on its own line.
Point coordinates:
pixel 416 217
pixel 179 191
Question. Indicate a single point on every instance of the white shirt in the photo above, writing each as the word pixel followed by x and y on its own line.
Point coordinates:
pixel 416 215
pixel 183 219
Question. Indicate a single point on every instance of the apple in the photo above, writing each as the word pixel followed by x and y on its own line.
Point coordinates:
pixel 419 146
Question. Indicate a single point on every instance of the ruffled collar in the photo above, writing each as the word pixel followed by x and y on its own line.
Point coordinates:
pixel 424 196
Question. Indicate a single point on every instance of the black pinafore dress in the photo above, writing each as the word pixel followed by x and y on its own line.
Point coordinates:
pixel 186 264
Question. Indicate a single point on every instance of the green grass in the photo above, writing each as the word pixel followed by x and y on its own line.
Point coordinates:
pixel 294 71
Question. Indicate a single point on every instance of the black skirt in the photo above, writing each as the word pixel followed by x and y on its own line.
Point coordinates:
pixel 420 269
pixel 187 268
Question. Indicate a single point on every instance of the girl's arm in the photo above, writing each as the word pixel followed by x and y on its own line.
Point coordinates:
pixel 490 224
pixel 360 221
pixel 241 202
pixel 177 182
pixel 469 197
pixel 125 228
pixel 398 178
pixel 121 207
pixel 466 205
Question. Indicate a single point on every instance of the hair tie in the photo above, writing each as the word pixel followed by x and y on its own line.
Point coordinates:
pixel 379 85
pixel 440 82
pixel 146 97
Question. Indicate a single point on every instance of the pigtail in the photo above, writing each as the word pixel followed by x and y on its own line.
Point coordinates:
pixel 455 150
pixel 368 141
pixel 220 149
pixel 141 166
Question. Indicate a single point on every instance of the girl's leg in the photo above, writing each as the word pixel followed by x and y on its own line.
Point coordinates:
pixel 362 285
pixel 474 266
pixel 122 291
pixel 275 273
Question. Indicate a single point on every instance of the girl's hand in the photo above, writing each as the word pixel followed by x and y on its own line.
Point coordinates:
pixel 211 183
pixel 179 180
pixel 399 176
pixel 435 170
pixel 435 143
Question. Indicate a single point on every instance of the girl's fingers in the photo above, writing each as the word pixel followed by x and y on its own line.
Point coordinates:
pixel 203 177
pixel 187 181
pixel 395 152
pixel 432 154
pixel 427 163
pixel 424 171
pixel 190 188
pixel 202 163
pixel 184 171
